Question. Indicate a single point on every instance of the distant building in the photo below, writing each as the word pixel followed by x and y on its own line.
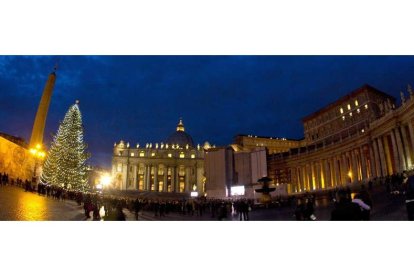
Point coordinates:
pixel 231 171
pixel 360 136
pixel 272 144
pixel 175 165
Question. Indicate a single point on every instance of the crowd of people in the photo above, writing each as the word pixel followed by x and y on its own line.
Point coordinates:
pixel 347 204
pixel 98 206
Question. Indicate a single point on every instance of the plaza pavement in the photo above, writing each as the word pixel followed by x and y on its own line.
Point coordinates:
pixel 18 205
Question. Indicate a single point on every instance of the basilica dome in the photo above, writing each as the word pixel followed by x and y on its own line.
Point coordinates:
pixel 180 137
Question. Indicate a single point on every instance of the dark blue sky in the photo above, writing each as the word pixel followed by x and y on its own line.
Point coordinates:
pixel 140 98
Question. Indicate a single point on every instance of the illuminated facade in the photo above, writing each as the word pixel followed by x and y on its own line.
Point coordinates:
pixel 15 158
pixel 174 166
pixel 361 136
pixel 272 144
pixel 19 159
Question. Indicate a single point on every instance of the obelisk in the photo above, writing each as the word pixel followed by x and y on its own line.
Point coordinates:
pixel 41 115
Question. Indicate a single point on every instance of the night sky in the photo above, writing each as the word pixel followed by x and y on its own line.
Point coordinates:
pixel 140 98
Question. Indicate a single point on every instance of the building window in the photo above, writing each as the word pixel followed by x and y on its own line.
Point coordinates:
pixel 341 110
pixel 141 182
pixel 358 110
pixel 141 170
pixel 350 114
pixel 182 184
pixel 343 118
pixel 366 106
pixel 153 154
pixel 182 155
pixel 141 154
pixel 193 155
pixel 349 107
pixel 169 155
pixel 356 102
pixel 119 169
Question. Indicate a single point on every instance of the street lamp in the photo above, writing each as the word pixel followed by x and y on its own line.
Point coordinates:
pixel 38 154
pixel 106 179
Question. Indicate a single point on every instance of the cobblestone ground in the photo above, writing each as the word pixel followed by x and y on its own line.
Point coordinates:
pixel 16 204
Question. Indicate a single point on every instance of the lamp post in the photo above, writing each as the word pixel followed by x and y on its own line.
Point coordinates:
pixel 38 154
pixel 105 181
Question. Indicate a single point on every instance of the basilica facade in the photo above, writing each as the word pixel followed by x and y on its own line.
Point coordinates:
pixel 176 165
pixel 359 137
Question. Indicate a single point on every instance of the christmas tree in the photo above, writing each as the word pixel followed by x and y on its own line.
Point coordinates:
pixel 65 165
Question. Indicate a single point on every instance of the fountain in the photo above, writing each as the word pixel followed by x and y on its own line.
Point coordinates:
pixel 265 190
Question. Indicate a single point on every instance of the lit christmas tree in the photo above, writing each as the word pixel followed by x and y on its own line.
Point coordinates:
pixel 65 165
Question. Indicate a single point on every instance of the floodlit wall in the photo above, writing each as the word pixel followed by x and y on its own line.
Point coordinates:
pixel 15 160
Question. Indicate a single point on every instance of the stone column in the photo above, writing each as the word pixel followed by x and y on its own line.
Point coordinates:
pixel 319 174
pixel 377 159
pixel 373 169
pixel 327 174
pixel 299 182
pixel 314 171
pixel 354 166
pixel 144 186
pixel 124 176
pixel 363 161
pixel 165 187
pixel 156 186
pixel 177 179
pixel 173 187
pixel 187 180
pixel 337 172
pixel 395 152
pixel 195 178
pixel 332 172
pixel 344 169
pixel 405 140
pixel 149 178
pixel 310 172
pixel 136 177
pixel 304 177
pixel 403 162
pixel 382 157
pixel 411 138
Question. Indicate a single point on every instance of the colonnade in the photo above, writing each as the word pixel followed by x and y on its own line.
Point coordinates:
pixel 161 177
pixel 376 155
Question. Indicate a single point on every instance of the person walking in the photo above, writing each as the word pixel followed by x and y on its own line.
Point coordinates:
pixel 345 209
pixel 365 208
pixel 409 197
pixel 137 208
